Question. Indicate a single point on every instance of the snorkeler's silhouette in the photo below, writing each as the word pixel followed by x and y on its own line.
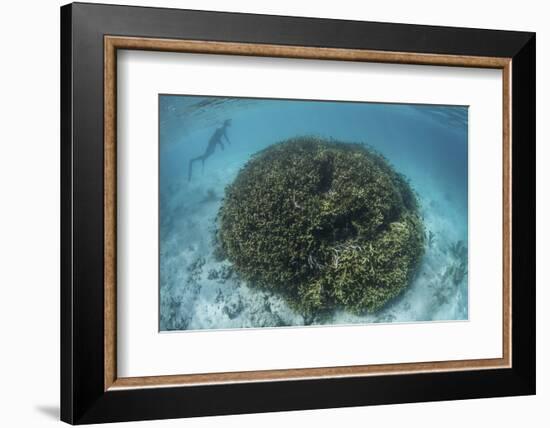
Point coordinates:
pixel 216 138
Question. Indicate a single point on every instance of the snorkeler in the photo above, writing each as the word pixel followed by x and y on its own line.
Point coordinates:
pixel 216 138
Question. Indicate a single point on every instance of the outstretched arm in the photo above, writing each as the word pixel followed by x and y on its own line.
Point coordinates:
pixel 220 143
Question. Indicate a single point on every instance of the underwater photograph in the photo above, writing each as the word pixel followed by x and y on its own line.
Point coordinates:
pixel 293 213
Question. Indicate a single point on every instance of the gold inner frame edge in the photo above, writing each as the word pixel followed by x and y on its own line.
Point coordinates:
pixel 113 43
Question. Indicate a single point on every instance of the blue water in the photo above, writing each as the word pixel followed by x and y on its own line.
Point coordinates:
pixel 426 143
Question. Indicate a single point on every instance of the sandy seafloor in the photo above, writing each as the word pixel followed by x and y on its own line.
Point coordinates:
pixel 428 144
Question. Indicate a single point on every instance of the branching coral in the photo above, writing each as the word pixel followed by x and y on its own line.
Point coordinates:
pixel 326 224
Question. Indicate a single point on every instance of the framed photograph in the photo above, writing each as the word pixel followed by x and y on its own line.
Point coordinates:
pixel 265 213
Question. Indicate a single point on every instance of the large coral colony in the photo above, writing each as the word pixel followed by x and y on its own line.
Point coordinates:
pixel 325 224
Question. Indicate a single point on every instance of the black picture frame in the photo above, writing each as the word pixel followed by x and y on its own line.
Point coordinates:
pixel 83 396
